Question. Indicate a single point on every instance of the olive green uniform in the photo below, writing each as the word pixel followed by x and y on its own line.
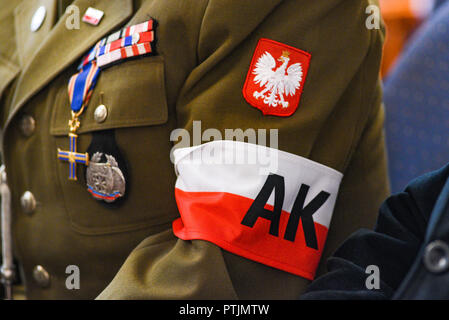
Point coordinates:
pixel 204 49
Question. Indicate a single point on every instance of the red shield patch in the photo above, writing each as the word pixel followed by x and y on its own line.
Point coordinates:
pixel 276 78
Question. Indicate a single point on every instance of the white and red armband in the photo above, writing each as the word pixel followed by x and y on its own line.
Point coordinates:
pixel 263 204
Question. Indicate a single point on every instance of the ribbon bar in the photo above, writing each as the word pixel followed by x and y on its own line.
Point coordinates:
pixel 119 36
pixel 123 53
pixel 127 31
pixel 133 39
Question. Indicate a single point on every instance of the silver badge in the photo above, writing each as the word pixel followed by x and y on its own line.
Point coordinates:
pixel 105 180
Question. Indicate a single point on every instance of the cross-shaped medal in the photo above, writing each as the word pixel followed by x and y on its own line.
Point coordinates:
pixel 80 89
pixel 73 157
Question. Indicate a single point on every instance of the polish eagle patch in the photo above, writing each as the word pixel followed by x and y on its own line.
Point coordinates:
pixel 276 78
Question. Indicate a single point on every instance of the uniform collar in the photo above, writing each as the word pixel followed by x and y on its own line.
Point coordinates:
pixel 62 47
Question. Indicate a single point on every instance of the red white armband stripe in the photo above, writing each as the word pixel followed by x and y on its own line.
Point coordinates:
pixel 263 204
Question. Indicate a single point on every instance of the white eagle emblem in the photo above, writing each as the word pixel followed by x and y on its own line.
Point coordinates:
pixel 279 82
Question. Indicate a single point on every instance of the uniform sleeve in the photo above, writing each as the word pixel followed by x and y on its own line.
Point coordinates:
pixel 392 246
pixel 363 188
pixel 258 230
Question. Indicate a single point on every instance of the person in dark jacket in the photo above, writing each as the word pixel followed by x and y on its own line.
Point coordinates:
pixel 408 249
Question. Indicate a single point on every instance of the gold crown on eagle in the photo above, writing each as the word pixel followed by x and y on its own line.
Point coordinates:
pixel 286 54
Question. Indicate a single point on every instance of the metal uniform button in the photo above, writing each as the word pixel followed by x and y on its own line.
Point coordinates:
pixel 101 113
pixel 27 125
pixel 436 257
pixel 38 18
pixel 28 202
pixel 41 276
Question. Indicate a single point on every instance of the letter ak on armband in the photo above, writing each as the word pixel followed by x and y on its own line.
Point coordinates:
pixel 280 218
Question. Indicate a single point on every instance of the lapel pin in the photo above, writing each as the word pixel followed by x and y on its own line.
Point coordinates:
pixel 93 16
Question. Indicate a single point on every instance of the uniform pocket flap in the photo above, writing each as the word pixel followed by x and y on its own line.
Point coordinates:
pixel 133 93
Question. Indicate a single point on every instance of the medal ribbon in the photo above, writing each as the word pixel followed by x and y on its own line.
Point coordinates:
pixel 81 86
pixel 136 38
pixel 80 89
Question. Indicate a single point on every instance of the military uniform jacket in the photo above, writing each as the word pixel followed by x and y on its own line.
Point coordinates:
pixel 206 56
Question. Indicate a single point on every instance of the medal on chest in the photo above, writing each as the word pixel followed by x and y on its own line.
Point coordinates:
pixel 80 89
pixel 104 178
pixel 106 169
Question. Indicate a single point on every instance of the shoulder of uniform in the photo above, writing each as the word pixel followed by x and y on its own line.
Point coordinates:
pixel 7 20
pixel 8 48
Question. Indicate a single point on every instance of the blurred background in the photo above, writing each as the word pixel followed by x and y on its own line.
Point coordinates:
pixel 415 72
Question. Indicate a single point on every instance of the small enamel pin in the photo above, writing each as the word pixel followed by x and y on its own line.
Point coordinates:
pixel 93 16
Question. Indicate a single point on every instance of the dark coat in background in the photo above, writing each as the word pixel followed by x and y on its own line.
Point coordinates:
pixel 408 244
